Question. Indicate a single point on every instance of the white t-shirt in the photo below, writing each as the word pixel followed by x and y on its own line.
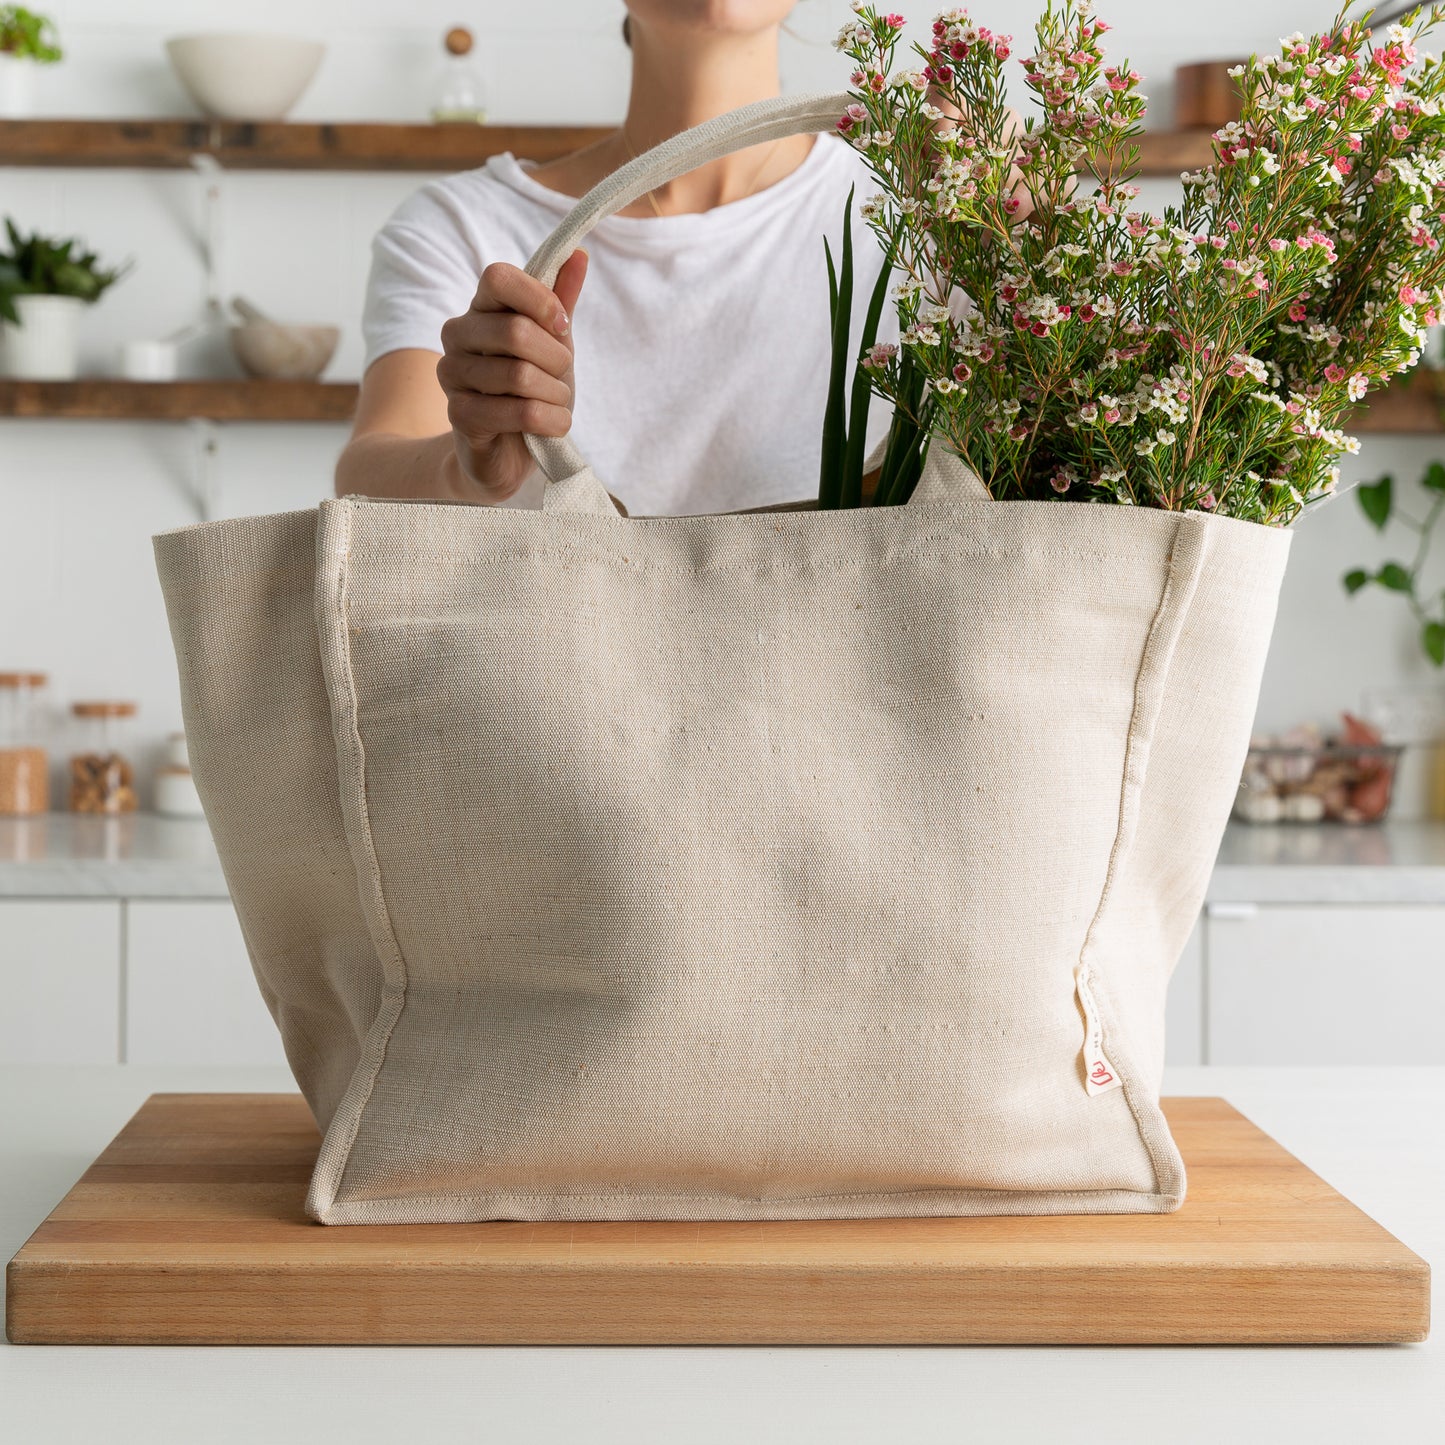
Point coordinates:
pixel 702 340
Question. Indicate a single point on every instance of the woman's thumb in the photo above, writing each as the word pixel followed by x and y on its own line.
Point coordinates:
pixel 568 286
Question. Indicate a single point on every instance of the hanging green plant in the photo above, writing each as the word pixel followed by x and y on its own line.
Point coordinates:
pixel 1377 501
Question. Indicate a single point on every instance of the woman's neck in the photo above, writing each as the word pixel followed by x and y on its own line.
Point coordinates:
pixel 682 76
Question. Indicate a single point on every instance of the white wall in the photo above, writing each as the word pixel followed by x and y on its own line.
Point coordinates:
pixel 79 501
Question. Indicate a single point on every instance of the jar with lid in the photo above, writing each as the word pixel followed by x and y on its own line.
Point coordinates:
pixel 175 789
pixel 24 765
pixel 102 778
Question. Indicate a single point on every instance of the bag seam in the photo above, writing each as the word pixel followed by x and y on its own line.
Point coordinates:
pixel 1172 610
pixel 464 1200
pixel 832 564
pixel 336 1149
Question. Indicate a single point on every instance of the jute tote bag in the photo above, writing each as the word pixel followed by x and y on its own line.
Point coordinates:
pixel 758 866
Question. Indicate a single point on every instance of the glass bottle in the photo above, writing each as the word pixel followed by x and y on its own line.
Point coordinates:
pixel 24 766
pixel 102 778
pixel 462 96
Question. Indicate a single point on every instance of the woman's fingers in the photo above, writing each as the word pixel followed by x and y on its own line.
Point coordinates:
pixel 508 288
pixel 507 376
pixel 570 279
pixel 505 333
pixel 481 418
pixel 506 369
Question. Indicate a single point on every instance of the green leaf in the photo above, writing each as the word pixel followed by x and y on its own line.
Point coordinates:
pixel 1376 499
pixel 1433 640
pixel 904 436
pixel 1434 477
pixel 835 420
pixel 1355 580
pixel 1395 577
pixel 861 398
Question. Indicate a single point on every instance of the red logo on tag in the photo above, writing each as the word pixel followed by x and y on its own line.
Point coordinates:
pixel 1100 1074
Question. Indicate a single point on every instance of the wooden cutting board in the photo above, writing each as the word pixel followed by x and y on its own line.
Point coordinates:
pixel 189 1229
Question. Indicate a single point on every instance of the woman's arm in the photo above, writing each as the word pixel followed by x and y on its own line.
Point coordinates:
pixel 451 427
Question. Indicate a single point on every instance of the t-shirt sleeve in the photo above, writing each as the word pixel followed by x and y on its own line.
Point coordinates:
pixel 423 272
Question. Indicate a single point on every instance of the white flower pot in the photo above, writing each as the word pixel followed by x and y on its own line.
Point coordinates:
pixel 15 89
pixel 45 346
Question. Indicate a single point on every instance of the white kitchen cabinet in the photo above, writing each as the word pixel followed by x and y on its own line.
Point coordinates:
pixel 59 981
pixel 1184 1014
pixel 191 997
pixel 1325 983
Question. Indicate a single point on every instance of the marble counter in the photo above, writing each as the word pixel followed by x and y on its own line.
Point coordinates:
pixel 1330 863
pixel 142 855
pixel 62 855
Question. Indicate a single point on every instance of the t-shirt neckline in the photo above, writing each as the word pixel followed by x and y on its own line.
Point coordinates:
pixel 746 209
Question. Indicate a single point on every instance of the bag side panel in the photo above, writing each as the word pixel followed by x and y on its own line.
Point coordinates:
pixel 239 598
pixel 1200 740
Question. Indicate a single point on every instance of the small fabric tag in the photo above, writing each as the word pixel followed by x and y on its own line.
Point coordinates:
pixel 1099 1074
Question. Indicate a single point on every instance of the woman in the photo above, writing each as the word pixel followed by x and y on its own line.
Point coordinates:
pixel 694 379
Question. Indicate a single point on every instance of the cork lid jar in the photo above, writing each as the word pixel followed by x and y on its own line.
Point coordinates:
pixel 102 776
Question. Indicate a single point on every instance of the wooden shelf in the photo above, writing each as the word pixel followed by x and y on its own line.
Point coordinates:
pixel 1167 152
pixel 1413 406
pixel 280 145
pixel 371 145
pixel 104 398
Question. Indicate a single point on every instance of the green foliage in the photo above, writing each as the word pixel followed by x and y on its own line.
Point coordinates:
pixel 1375 500
pixel 1379 504
pixel 845 417
pixel 27 35
pixel 37 265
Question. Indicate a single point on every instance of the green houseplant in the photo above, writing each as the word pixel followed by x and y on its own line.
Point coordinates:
pixel 44 282
pixel 26 40
pixel 1380 505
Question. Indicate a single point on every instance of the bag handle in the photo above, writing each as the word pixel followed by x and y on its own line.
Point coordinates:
pixel 572 485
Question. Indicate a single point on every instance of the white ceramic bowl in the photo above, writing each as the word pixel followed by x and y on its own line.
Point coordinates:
pixel 244 76
pixel 290 353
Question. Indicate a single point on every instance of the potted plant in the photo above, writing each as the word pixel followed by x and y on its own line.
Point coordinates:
pixel 26 40
pixel 44 283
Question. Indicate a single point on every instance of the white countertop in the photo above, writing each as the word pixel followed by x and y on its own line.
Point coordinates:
pixel 62 855
pixel 78 855
pixel 1376 1134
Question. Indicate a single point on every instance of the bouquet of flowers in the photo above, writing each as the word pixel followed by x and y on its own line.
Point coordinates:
pixel 1069 344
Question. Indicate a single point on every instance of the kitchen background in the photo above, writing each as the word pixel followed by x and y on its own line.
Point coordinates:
pixel 79 500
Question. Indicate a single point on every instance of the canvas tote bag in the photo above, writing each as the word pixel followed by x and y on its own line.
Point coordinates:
pixel 758 866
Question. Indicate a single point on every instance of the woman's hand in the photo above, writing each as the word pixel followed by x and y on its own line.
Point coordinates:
pixel 506 370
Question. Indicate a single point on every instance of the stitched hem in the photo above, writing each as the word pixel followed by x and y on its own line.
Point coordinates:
pixel 334 640
pixel 1187 556
pixel 738 1208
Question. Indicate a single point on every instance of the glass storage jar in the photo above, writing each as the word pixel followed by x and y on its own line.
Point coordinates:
pixel 24 765
pixel 102 778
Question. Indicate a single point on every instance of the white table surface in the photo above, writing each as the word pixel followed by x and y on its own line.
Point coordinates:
pixel 1376 1134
